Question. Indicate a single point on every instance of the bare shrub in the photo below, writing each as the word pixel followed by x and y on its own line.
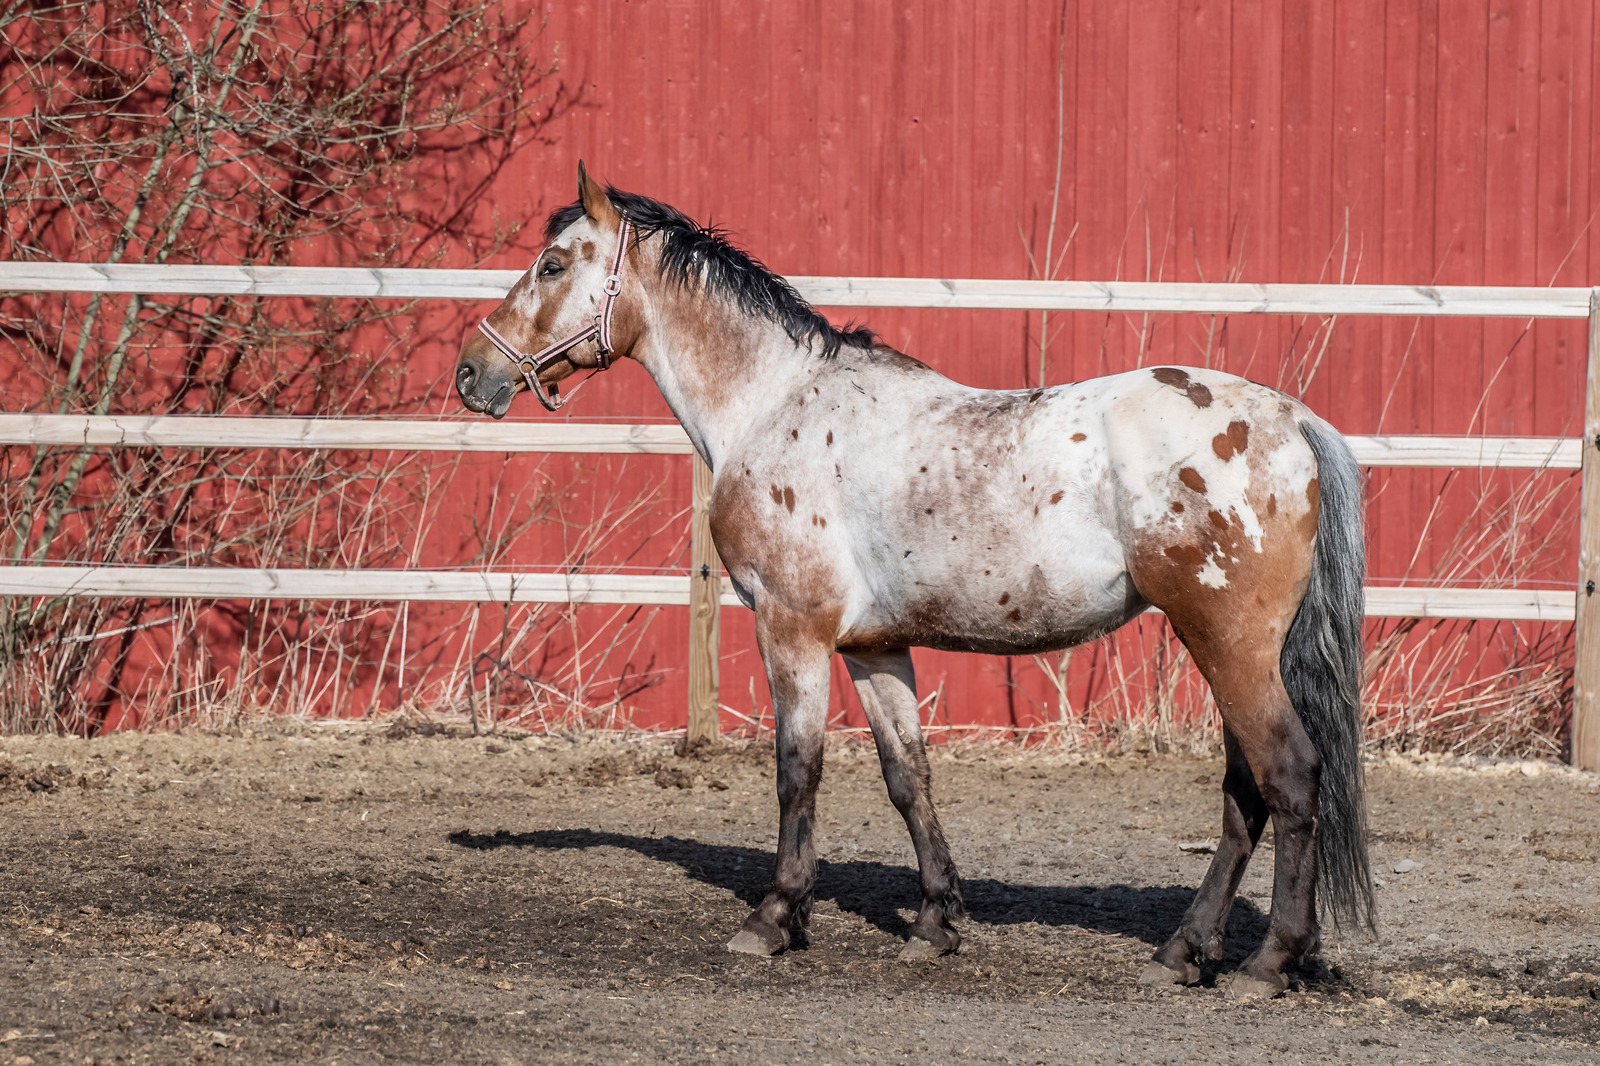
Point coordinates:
pixel 247 132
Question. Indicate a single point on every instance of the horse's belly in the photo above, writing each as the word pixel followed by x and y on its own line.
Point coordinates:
pixel 1025 591
pixel 1062 623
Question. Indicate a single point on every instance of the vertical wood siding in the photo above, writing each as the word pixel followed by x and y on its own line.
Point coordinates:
pixel 1396 141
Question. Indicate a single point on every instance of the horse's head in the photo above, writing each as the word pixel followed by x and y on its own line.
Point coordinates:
pixel 557 319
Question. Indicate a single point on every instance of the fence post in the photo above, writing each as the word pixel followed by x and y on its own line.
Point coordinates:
pixel 705 611
pixel 1586 641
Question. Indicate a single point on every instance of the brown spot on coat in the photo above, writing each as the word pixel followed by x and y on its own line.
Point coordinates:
pixel 1231 443
pixel 788 498
pixel 1198 394
pixel 1055 497
pixel 1186 555
pixel 1177 507
pixel 777 494
pixel 1005 598
pixel 1308 521
pixel 1016 614
pixel 795 433
pixel 1272 504
pixel 1080 436
pixel 1191 477
pixel 830 437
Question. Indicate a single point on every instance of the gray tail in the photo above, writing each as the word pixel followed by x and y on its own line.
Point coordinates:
pixel 1321 669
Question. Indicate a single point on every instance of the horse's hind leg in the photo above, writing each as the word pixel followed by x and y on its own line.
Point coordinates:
pixel 1287 774
pixel 888 690
pixel 1201 935
pixel 796 657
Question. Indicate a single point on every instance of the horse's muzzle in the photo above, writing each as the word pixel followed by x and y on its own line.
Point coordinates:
pixel 473 386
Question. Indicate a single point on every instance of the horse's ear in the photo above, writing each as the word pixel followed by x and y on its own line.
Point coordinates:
pixel 596 204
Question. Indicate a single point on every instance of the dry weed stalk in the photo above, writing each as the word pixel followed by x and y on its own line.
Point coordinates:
pixel 1482 687
pixel 560 666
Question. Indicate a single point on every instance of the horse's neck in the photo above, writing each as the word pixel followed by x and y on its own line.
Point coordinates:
pixel 719 370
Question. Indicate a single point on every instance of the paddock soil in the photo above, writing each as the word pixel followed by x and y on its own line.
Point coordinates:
pixel 380 895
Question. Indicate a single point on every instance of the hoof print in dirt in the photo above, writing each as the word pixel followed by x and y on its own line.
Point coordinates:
pixel 1247 989
pixel 920 950
pixel 39 779
pixel 701 749
pixel 747 943
pixel 670 777
pixel 190 1005
pixel 1160 975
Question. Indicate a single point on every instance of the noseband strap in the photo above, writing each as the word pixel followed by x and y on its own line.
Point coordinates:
pixel 531 366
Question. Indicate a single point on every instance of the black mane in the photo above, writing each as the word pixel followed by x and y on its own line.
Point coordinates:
pixel 703 255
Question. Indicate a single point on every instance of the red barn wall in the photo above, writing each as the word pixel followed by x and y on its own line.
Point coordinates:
pixel 1404 142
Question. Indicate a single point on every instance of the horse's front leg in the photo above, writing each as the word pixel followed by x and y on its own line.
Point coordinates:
pixel 796 650
pixel 888 690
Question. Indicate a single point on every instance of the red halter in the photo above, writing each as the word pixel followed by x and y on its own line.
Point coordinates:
pixel 530 366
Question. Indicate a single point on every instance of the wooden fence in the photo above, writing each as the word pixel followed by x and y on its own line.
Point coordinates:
pixel 697 588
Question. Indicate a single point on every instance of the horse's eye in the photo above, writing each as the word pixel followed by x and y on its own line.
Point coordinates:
pixel 550 269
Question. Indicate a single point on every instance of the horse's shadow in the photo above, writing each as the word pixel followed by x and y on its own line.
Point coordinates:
pixel 876 890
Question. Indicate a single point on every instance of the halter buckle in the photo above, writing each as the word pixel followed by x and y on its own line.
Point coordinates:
pixel 613 284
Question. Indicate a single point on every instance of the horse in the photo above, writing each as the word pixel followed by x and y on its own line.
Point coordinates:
pixel 864 504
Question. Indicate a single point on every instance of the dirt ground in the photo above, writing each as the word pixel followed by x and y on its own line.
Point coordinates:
pixel 379 896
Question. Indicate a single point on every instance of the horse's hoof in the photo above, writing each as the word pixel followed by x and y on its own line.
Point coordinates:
pixel 1160 975
pixel 747 943
pixel 918 949
pixel 1246 987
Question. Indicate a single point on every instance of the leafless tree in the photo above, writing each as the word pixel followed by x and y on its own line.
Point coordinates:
pixel 235 131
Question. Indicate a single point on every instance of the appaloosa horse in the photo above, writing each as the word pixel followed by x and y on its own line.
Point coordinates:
pixel 865 504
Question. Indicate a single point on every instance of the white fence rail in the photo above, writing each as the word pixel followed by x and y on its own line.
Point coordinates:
pixel 1133 297
pixel 430 586
pixel 394 434
pixel 494 586
pixel 388 434
pixel 1115 297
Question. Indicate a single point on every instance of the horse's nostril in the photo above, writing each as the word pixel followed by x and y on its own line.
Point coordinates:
pixel 465 376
